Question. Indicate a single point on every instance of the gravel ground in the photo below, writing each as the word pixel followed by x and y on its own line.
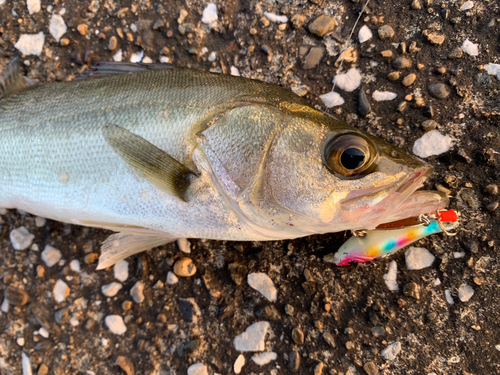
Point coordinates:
pixel 320 319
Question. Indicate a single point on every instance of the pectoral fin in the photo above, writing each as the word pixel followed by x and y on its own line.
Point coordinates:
pixel 119 246
pixel 149 161
pixel 12 81
pixel 110 68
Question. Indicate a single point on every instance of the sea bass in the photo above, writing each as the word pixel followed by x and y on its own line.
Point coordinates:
pixel 158 153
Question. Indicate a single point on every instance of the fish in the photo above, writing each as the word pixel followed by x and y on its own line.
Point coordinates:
pixel 157 153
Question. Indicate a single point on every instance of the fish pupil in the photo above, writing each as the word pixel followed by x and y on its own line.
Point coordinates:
pixel 352 158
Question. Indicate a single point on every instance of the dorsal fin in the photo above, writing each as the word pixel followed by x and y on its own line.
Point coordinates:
pixel 110 68
pixel 12 81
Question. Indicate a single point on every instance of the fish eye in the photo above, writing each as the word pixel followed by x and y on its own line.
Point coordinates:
pixel 348 154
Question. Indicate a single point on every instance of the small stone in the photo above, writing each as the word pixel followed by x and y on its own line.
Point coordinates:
pixel 363 103
pixel 115 324
pixel 298 336
pixel 126 364
pixel 137 57
pixel 391 352
pixel 409 79
pixel 118 56
pixel 318 370
pixel 34 6
pixel 276 18
pixel 413 47
pixel 467 5
pixel 40 271
pixel 264 358
pixel 40 221
pixel 418 258
pixel 419 102
pixel 350 345
pixel 182 16
pixel 456 53
pixel 416 4
pixel 449 298
pixel 263 284
pixel 402 107
pixel 364 34
pixel 171 278
pixel 492 206
pixel 16 296
pixel 493 69
pixel 31 44
pixel 393 76
pixel 432 143
pixel 209 16
pixel 83 29
pixel 91 258
pixel 238 272
pixel 158 24
pixel 438 90
pixel 64 42
pixel 266 49
pixel 349 81
pixel 294 360
pixel 385 32
pixel 491 189
pixel 197 369
pixel 111 290
pixel 57 27
pixel 470 48
pixel 26 364
pixel 61 291
pixel 189 308
pixel 370 368
pixel 264 22
pixel 401 63
pixel 378 331
pixel 481 79
pixel 74 265
pixel 322 25
pixel 298 20
pixel 390 277
pixel 137 292
pixel 312 59
pixel 429 125
pixel 428 111
pixel 183 244
pixel 412 290
pixel 120 270
pixel 43 369
pixel 21 238
pixel 127 305
pixel 332 99
pixel 329 339
pixel 51 256
pixel 253 339
pixel 113 43
pixel 434 38
pixel 184 267
pixel 380 96
pixel 386 53
pixel 239 363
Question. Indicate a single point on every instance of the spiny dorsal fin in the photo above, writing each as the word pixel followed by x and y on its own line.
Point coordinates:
pixel 149 161
pixel 12 81
pixel 106 69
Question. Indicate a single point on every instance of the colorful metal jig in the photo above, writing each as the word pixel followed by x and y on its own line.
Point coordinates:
pixel 368 245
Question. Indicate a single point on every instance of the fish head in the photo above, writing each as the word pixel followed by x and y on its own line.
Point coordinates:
pixel 316 174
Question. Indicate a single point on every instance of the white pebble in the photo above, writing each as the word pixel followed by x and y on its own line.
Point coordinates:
pixel 418 258
pixel 437 282
pixel 432 143
pixel 470 48
pixel 40 221
pixel 43 332
pixel 51 255
pixel 20 341
pixel 147 60
pixel 263 284
pixel 20 238
pixel 239 363
pixel 275 18
pixel 31 44
pixel 390 277
pixel 172 278
pixel 264 358
pixel 184 245
pixel 235 71
pixel 467 5
pixel 137 292
pixel 212 57
pixel 465 292
pixel 74 265
pixel 133 27
pixel 449 298
pixel 137 57
pixel 253 339
pixel 3 211
pixel 118 56
pixel 364 34
pixel 381 96
pixel 115 324
pixel 26 364
pixel 391 352
pixel 112 289
pixel 5 306
pixel 349 81
pixel 497 347
pixel 120 270
pixel 197 369
pixel 61 291
pixel 332 99
pixel 493 70
pixel 34 6
pixel 209 16
pixel 57 27
pixel 2 2
pixel 458 255
pixel 74 322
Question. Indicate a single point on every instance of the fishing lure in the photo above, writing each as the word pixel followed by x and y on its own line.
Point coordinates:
pixel 366 246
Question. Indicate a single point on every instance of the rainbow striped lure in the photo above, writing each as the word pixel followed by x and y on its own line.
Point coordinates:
pixel 379 243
